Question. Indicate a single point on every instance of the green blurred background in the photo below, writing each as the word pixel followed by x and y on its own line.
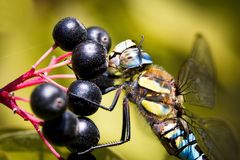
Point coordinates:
pixel 169 27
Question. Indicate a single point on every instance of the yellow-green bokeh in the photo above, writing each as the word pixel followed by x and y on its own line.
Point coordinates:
pixel 169 28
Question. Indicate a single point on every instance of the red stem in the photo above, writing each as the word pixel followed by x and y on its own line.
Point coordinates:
pixel 53 82
pixel 30 78
pixel 11 103
pixel 31 82
pixel 35 122
pixel 62 76
pixel 44 56
pixel 46 142
pixel 21 99
pixel 49 68
pixel 11 86
pixel 39 80
pixel 62 57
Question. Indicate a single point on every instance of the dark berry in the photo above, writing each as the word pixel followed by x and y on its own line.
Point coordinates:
pixel 68 33
pixel 61 130
pixel 48 101
pixel 86 156
pixel 80 89
pixel 99 35
pixel 89 59
pixel 103 81
pixel 88 136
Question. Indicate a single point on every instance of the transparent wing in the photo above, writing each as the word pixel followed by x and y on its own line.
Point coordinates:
pixel 196 79
pixel 215 138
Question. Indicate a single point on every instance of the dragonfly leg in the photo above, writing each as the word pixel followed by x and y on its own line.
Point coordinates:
pixel 110 108
pixel 126 131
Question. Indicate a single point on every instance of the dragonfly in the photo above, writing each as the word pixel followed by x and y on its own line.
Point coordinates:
pixel 160 98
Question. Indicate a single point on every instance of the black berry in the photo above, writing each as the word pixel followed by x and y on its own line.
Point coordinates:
pixel 48 101
pixel 69 32
pixel 80 90
pixel 61 130
pixel 103 81
pixel 88 136
pixel 99 35
pixel 89 59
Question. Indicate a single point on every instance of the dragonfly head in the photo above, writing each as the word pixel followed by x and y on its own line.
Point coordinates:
pixel 127 56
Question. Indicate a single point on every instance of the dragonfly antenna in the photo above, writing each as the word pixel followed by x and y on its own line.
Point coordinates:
pixel 139 49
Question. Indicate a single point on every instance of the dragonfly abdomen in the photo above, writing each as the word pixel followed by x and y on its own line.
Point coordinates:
pixel 177 142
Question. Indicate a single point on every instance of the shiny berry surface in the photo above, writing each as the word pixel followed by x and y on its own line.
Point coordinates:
pixel 103 81
pixel 87 90
pixel 99 35
pixel 61 130
pixel 68 33
pixel 88 136
pixel 89 59
pixel 48 101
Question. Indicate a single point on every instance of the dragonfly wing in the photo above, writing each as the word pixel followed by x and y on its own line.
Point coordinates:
pixel 196 79
pixel 215 138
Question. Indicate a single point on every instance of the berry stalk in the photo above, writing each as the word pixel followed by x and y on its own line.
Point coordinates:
pixel 88 51
pixel 30 78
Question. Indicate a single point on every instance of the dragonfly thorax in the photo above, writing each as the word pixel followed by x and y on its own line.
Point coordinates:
pixel 154 92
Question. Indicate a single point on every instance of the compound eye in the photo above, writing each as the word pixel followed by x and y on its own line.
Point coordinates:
pixel 130 58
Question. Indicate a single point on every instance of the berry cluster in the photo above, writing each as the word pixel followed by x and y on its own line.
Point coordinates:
pixel 64 128
pixel 49 102
pixel 62 111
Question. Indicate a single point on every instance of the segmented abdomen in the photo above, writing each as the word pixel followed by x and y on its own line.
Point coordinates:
pixel 177 142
